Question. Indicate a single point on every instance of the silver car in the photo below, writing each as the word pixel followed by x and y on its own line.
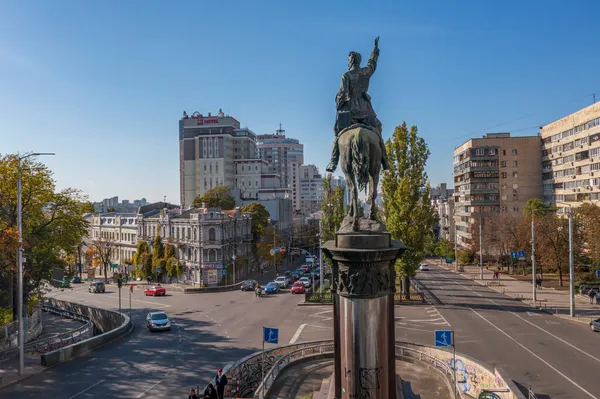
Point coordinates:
pixel 283 281
pixel 305 281
pixel 158 321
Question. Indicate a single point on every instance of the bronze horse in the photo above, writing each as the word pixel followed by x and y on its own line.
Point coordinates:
pixel 360 160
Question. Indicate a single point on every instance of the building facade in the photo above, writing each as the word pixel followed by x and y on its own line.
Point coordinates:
pixel 209 242
pixel 444 207
pixel 207 148
pixel 120 232
pixel 494 174
pixel 571 158
pixel 311 189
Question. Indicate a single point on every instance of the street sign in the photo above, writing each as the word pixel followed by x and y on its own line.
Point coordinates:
pixel 272 252
pixel 158 269
pixel 114 265
pixel 282 250
pixel 444 338
pixel 224 272
pixel 598 273
pixel 513 254
pixel 277 249
pixel 271 335
pixel 521 255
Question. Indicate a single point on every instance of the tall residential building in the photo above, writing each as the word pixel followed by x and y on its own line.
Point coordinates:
pixel 311 189
pixel 444 207
pixel 208 145
pixel 496 173
pixel 284 156
pixel 441 191
pixel 571 158
pixel 341 181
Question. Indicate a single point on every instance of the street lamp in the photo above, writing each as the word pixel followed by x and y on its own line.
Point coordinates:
pixel 20 259
pixel 571 263
pixel 272 222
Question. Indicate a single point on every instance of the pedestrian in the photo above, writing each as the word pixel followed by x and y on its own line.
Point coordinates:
pixel 540 282
pixel 598 298
pixel 193 394
pixel 592 295
pixel 210 392
pixel 221 381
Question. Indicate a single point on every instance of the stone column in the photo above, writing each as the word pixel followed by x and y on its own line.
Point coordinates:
pixel 363 298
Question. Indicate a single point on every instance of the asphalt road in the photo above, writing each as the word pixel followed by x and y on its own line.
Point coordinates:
pixel 209 331
pixel 556 357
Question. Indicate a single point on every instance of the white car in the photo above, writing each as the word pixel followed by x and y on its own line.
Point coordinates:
pixel 424 267
pixel 283 281
pixel 305 281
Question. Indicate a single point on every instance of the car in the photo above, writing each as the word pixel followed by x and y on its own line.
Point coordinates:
pixel 306 281
pixel 305 269
pixel 76 280
pixel 287 273
pixel 248 285
pixel 155 291
pixel 595 325
pixel 283 281
pixel 297 288
pixel 296 276
pixel 299 270
pixel 97 286
pixel 316 272
pixel 424 267
pixel 158 321
pixel 272 288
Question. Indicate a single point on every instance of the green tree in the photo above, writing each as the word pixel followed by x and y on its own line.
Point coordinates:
pixel 332 208
pixel 409 214
pixel 158 255
pixel 265 246
pixel 218 197
pixel 444 249
pixel 260 221
pixel 53 225
pixel 87 207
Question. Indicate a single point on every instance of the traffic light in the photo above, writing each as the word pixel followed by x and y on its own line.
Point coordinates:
pixel 119 283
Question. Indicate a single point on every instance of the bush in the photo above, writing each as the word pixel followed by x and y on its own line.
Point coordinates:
pixel 33 300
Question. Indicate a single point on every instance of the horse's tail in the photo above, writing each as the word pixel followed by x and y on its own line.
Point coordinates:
pixel 360 159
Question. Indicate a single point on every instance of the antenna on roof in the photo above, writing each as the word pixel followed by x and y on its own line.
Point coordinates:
pixel 165 199
pixel 280 130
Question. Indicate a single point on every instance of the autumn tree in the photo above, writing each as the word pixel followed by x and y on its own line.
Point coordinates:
pixel 158 255
pixel 408 212
pixel 260 221
pixel 101 253
pixel 332 208
pixel 589 217
pixel 264 247
pixel 87 207
pixel 218 197
pixel 142 260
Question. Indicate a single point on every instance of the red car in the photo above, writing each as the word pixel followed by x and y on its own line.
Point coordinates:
pixel 155 291
pixel 297 288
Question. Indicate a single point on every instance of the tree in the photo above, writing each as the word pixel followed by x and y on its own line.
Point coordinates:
pixel 406 202
pixel 218 197
pixel 444 249
pixel 142 259
pixel 87 207
pixel 158 255
pixel 101 253
pixel 264 247
pixel 589 216
pixel 260 221
pixel 53 225
pixel 332 208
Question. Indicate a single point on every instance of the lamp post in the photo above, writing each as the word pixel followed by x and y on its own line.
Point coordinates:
pixel 480 249
pixel 571 263
pixel 20 259
pixel 233 257
pixel 533 273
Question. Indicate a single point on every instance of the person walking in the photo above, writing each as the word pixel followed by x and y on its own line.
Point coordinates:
pixel 193 394
pixel 210 392
pixel 592 295
pixel 221 381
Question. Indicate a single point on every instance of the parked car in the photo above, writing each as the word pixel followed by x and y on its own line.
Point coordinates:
pixel 155 291
pixel 158 321
pixel 595 325
pixel 287 273
pixel 424 267
pixel 306 281
pixel 283 281
pixel 249 285
pixel 272 288
pixel 97 286
pixel 297 288
pixel 76 280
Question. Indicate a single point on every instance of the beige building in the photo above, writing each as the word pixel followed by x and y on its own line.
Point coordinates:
pixel 492 174
pixel 571 158
pixel 119 230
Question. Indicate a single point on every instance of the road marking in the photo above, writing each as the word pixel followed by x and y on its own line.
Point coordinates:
pixel 415 329
pixel 532 353
pixel 297 334
pixel 87 389
pixel 152 387
pixel 323 327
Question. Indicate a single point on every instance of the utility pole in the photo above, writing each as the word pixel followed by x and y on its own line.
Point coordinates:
pixel 456 268
pixel 533 257
pixel 320 255
pixel 571 267
pixel 480 249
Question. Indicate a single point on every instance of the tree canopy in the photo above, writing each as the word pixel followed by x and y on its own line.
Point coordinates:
pixel 260 218
pixel 332 208
pixel 218 197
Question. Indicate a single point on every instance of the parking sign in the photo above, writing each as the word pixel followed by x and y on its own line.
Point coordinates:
pixel 521 255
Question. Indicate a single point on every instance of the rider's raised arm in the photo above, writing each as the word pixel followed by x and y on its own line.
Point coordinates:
pixel 371 66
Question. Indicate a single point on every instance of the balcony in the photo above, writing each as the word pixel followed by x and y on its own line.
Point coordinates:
pixel 488 190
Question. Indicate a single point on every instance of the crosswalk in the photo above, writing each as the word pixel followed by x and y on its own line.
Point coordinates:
pixel 430 317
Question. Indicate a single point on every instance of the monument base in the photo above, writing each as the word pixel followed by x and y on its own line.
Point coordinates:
pixel 328 390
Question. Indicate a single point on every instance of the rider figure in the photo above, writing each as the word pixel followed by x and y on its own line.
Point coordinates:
pixel 353 104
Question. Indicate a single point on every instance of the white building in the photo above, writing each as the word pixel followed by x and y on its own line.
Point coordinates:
pixel 311 189
pixel 341 181
pixel 210 243
pixel 119 230
pixel 445 210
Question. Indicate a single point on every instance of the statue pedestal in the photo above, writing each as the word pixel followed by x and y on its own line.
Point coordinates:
pixel 363 299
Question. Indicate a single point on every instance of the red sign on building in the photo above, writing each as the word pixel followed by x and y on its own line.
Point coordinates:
pixel 200 121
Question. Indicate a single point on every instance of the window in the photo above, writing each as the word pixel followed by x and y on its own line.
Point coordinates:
pixel 515 175
pixel 503 152
pixel 504 175
pixel 514 152
pixel 503 164
pixel 492 151
pixel 480 151
pixel 515 163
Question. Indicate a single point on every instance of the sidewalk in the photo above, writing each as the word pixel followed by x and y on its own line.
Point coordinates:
pixel 52 325
pixel 548 299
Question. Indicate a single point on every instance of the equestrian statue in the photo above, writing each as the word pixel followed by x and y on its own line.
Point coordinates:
pixel 358 141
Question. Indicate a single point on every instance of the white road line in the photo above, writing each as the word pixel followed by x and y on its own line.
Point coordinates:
pixel 297 334
pixel 415 329
pixel 323 327
pixel 325 311
pixel 87 389
pixel 533 353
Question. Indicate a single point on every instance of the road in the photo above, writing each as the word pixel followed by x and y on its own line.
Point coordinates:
pixel 209 331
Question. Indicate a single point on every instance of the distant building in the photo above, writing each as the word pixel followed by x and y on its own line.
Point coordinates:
pixel 340 181
pixel 571 158
pixel 444 207
pixel 441 191
pixel 494 174
pixel 113 204
pixel 311 189
pixel 206 240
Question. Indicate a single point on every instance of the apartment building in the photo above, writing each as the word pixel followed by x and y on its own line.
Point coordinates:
pixel 494 174
pixel 311 189
pixel 571 158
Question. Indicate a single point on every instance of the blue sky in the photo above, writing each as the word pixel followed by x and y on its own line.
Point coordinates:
pixel 103 84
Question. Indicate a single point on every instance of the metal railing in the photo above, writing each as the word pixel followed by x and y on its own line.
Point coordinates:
pixel 284 361
pixel 531 394
pixel 327 297
pixel 9 331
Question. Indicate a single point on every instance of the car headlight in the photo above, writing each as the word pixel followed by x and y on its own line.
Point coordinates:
pixel 168 324
pixel 153 325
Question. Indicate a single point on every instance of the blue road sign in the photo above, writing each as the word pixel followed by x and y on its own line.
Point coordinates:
pixel 277 249
pixel 444 338
pixel 521 254
pixel 271 335
pixel 513 254
pixel 598 273
pixel 158 269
